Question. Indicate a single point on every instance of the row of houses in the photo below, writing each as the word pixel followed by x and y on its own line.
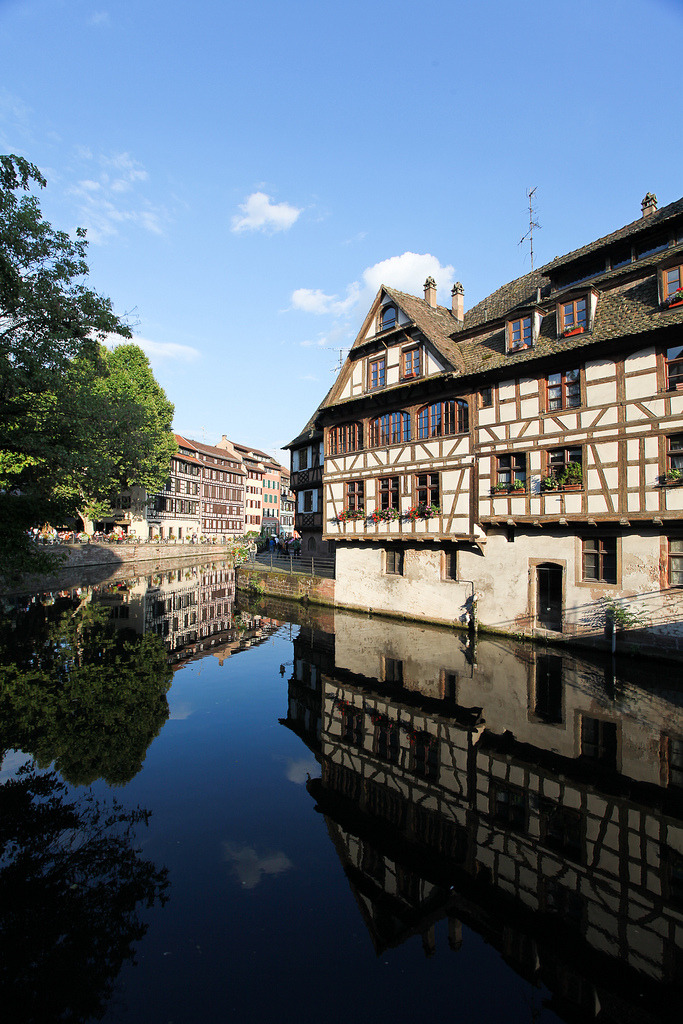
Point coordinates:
pixel 213 491
pixel 522 459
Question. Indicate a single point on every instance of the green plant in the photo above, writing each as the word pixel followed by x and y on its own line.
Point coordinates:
pixel 549 483
pixel 422 511
pixel 384 515
pixel 349 514
pixel 518 485
pixel 674 475
pixel 621 616
pixel 500 487
pixel 573 473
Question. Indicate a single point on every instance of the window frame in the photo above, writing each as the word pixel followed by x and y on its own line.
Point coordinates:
pixel 520 344
pixel 390 428
pixel 674 555
pixel 517 470
pixel 429 488
pixel 674 381
pixel 577 321
pixel 564 384
pixel 443 419
pixel 408 356
pixel 388 492
pixel 354 495
pixel 449 566
pixel 394 561
pixel 602 555
pixel 485 401
pixel 377 368
pixel 381 326
pixel 345 438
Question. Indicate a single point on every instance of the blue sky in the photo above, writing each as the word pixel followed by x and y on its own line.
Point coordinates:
pixel 250 173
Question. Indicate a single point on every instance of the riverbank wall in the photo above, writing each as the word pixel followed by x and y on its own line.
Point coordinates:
pixel 90 564
pixel 258 581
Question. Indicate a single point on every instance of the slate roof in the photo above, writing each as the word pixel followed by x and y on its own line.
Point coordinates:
pixel 208 449
pixel 627 305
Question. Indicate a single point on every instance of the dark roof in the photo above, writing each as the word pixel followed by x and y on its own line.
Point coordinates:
pixel 310 432
pixel 210 450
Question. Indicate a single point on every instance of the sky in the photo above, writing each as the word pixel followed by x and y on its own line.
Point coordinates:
pixel 249 174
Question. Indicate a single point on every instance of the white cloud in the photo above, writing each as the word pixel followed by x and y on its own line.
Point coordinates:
pixel 99 18
pixel 250 868
pixel 406 273
pixel 107 201
pixel 260 214
pixel 158 351
pixel 301 770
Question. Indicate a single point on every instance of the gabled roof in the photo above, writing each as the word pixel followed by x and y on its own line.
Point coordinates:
pixel 310 431
pixel 211 451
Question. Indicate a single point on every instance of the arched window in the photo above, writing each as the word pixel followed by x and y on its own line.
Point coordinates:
pixel 441 418
pixel 392 428
pixel 387 318
pixel 348 437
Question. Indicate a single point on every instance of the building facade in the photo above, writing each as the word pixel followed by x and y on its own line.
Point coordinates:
pixel 520 461
pixel 306 480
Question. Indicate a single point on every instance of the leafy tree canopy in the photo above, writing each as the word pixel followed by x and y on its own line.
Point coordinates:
pixel 80 694
pixel 77 422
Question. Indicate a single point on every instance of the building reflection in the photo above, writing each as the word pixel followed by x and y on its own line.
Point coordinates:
pixel 532 796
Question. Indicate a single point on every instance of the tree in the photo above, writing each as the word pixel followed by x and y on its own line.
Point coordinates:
pixel 61 393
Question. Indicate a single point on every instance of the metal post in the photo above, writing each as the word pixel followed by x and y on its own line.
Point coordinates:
pixel 312 566
pixel 291 568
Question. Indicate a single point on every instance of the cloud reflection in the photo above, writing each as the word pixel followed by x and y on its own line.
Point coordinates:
pixel 250 868
pixel 300 771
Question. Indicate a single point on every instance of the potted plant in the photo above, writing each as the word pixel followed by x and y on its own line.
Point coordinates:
pixel 573 329
pixel 676 299
pixel 384 515
pixel 423 511
pixel 518 485
pixel 500 487
pixel 549 483
pixel 572 477
pixel 674 476
pixel 349 514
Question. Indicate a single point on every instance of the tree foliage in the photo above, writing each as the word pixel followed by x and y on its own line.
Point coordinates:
pixel 72 884
pixel 80 694
pixel 77 422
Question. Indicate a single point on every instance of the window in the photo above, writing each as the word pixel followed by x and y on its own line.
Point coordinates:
pixel 599 741
pixel 308 501
pixel 675 562
pixel 508 806
pixel 600 559
pixel 672 282
pixel 354 496
pixel 574 315
pixel 511 471
pixel 562 830
pixel 352 726
pixel 387 318
pixel 564 390
pixel 348 437
pixel 449 565
pixel 672 750
pixel 386 741
pixel 674 367
pixel 547 698
pixel 443 418
pixel 558 459
pixel 425 756
pixel 427 489
pixel 393 670
pixel 410 362
pixel 519 334
pixel 376 372
pixel 393 562
pixel 387 488
pixel 392 428
pixel 486 398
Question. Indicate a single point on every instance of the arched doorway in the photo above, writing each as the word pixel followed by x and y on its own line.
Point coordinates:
pixel 549 596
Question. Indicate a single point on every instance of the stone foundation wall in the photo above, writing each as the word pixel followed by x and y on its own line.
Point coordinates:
pixel 293 586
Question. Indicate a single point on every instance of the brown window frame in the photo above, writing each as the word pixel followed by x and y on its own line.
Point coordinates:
pixel 667 289
pixel 430 490
pixel 516 469
pixel 345 438
pixel 390 428
pixel 674 560
pixel 411 356
pixel 354 495
pixel 377 367
pixel 519 325
pixel 485 397
pixel 442 419
pixel 389 492
pixel 449 565
pixel 394 562
pixel 578 318
pixel 569 454
pixel 564 384
pixel 382 313
pixel 605 549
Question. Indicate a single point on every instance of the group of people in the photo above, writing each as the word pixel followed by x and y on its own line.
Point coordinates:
pixel 282 546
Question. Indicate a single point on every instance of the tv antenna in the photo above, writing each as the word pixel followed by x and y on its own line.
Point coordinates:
pixel 340 361
pixel 532 224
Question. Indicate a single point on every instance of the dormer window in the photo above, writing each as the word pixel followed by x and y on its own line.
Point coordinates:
pixel 387 318
pixel 574 316
pixel 519 334
pixel 671 285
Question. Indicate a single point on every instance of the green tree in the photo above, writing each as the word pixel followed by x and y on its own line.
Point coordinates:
pixel 77 422
pixel 80 694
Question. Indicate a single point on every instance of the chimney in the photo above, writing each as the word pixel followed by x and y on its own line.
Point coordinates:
pixel 430 292
pixel 649 204
pixel 458 301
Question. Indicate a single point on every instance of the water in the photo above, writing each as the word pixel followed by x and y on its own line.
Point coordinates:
pixel 350 819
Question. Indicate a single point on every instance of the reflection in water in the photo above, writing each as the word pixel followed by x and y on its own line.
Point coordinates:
pixel 250 867
pixel 71 888
pixel 534 797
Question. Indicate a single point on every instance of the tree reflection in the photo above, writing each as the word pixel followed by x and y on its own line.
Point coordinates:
pixel 79 693
pixel 71 886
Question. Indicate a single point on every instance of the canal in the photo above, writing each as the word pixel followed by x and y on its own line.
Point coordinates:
pixel 213 811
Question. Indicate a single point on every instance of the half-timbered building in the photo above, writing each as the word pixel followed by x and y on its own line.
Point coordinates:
pixel 520 460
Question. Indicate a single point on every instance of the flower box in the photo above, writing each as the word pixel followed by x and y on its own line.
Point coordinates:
pixel 678 302
pixel 349 515
pixel 422 512
pixel 574 486
pixel 573 330
pixel 384 515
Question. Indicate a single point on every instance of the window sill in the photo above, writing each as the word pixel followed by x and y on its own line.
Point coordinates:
pixel 573 330
pixel 508 490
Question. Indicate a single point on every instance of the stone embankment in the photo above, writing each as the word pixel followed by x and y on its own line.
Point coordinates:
pixel 259 581
pixel 90 564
